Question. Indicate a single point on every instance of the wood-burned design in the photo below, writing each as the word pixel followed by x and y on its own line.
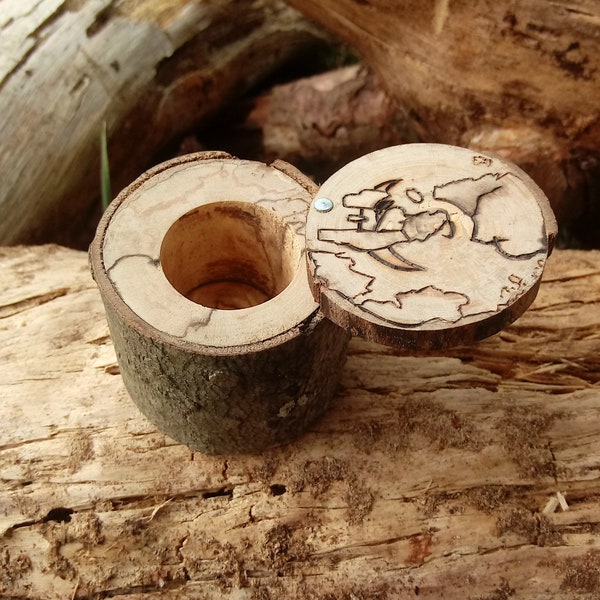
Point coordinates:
pixel 413 253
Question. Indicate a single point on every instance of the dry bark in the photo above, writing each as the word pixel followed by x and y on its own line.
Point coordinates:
pixel 150 69
pixel 518 78
pixel 322 122
pixel 430 476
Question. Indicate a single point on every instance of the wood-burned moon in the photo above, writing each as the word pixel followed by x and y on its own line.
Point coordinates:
pixel 427 245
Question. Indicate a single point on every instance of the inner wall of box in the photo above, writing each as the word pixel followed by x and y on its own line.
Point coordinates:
pixel 230 255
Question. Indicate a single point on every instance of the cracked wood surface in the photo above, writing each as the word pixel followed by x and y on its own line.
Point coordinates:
pixel 430 476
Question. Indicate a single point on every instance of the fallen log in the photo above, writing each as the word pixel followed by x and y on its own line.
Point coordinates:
pixel 151 70
pixel 323 122
pixel 468 474
pixel 517 78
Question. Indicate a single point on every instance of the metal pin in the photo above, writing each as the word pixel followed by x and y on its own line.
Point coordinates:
pixel 323 204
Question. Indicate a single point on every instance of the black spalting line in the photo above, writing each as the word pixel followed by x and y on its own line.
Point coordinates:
pixel 154 261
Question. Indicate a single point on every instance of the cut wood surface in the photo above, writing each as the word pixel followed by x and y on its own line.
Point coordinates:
pixel 151 69
pixel 430 476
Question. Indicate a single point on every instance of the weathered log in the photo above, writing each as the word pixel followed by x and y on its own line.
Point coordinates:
pixel 322 122
pixel 150 69
pixel 318 123
pixel 431 476
pixel 517 78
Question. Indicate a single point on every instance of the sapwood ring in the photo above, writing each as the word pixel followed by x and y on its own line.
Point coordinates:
pixel 201 266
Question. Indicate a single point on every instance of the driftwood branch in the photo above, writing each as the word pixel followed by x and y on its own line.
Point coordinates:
pixel 472 474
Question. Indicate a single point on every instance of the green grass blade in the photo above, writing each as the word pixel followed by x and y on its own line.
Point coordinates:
pixel 104 169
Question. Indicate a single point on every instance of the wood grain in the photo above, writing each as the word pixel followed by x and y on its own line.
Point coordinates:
pixel 516 78
pixel 430 476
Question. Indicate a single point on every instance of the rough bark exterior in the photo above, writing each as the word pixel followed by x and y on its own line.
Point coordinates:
pixel 232 404
pixel 150 69
pixel 429 477
pixel 320 123
pixel 517 78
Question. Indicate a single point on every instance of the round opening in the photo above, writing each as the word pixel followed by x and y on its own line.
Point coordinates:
pixel 230 255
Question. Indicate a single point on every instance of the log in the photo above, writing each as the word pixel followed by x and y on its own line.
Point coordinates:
pixel 318 123
pixel 516 78
pixel 323 122
pixel 468 474
pixel 152 70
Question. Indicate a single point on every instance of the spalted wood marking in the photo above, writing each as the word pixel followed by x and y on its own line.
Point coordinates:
pixel 429 475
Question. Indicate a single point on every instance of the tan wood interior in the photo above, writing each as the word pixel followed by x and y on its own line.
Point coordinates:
pixel 203 219
pixel 230 255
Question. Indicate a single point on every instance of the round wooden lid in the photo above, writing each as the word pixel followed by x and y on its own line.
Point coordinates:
pixel 426 246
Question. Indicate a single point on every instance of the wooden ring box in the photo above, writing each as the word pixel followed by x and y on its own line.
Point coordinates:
pixel 231 287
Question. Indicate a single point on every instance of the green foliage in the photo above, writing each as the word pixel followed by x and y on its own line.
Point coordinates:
pixel 104 169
